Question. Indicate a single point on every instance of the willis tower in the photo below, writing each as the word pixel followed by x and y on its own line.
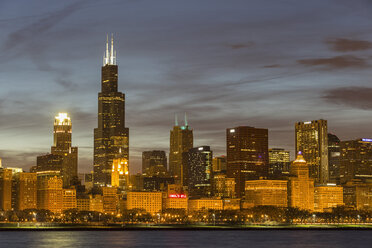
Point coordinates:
pixel 111 137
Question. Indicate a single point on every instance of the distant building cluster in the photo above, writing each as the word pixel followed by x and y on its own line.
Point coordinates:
pixel 326 173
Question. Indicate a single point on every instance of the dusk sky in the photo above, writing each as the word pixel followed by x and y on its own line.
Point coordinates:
pixel 261 63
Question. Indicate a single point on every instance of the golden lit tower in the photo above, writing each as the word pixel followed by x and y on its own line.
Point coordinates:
pixel 111 137
pixel 63 159
pixel 120 173
pixel 181 140
pixel 312 141
pixel 300 186
pixel 62 146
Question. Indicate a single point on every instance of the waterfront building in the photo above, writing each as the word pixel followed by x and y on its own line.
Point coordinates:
pixel 176 201
pixel 205 204
pixel 231 203
pixel 312 140
pixel 96 203
pixel 327 197
pixel 247 155
pixel 110 199
pixel 26 191
pixel 111 137
pixel 50 193
pixel 149 201
pixel 300 185
pixel 83 203
pixel 69 199
pixel 266 192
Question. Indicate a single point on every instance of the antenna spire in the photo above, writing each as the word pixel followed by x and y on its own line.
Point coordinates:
pixel 109 57
pixel 175 120
pixel 185 120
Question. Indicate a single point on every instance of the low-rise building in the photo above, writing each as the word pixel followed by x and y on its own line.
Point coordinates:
pixel 205 204
pixel 69 199
pixel 327 197
pixel 149 201
pixel 266 192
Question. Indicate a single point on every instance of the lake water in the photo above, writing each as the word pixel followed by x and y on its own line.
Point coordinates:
pixel 166 238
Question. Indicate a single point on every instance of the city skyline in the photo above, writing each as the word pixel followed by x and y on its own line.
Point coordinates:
pixel 221 78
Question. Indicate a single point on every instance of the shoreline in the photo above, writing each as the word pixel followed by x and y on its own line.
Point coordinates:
pixel 64 227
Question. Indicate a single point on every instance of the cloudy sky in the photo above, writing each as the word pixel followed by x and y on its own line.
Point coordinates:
pixel 262 63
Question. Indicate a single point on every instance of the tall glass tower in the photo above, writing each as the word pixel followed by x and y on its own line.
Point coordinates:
pixel 111 137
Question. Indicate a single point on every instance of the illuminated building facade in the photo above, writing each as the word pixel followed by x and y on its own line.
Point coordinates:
pixel 176 201
pixel 5 189
pixel 266 192
pixel 26 191
pixel 63 157
pixel 120 173
pixel 50 193
pixel 231 204
pixel 96 203
pixel 205 204
pixel 83 204
pixel 247 155
pixel 327 197
pixel 222 186
pixel 279 162
pixel 334 155
pixel 312 140
pixel 300 186
pixel 181 140
pixel 358 195
pixel 110 199
pixel 69 199
pixel 154 163
pixel 219 164
pixel 149 201
pixel 356 160
pixel 111 137
pixel 198 171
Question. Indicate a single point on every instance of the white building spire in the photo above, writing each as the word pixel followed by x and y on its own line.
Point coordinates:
pixel 110 54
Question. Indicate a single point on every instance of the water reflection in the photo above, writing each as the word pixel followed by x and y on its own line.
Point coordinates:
pixel 161 238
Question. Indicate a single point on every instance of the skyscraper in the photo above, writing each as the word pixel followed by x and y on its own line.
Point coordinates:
pixel 154 163
pixel 334 153
pixel 181 140
pixel 63 158
pixel 312 141
pixel 247 155
pixel 355 160
pixel 111 137
pixel 198 171
pixel 278 162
